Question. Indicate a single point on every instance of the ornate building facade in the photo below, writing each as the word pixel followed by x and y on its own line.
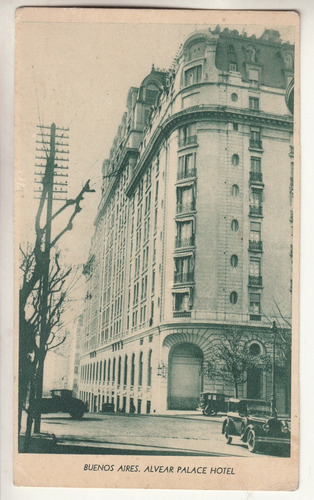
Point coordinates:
pixel 193 233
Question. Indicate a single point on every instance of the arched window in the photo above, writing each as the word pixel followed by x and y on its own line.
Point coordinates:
pixel 132 369
pixel 234 225
pixel 235 160
pixel 255 349
pixel 197 49
pixel 125 375
pixel 234 97
pixel 149 368
pixel 233 297
pixel 114 370
pixel 140 370
pixel 119 371
pixel 234 260
pixel 235 190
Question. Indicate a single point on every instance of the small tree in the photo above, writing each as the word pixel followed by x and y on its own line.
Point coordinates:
pixel 230 358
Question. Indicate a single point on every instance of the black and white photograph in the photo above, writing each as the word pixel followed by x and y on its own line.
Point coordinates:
pixel 156 246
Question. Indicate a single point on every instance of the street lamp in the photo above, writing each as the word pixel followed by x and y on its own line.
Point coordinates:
pixel 273 394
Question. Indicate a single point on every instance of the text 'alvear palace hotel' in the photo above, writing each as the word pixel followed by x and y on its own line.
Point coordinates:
pixel 193 233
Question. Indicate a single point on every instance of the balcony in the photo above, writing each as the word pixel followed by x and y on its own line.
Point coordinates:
pixel 256 177
pixel 256 144
pixel 256 246
pixel 255 317
pixel 185 242
pixel 183 208
pixel 181 314
pixel 186 173
pixel 188 141
pixel 183 277
pixel 255 281
pixel 256 210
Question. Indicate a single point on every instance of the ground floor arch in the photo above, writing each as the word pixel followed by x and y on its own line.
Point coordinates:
pixel 185 376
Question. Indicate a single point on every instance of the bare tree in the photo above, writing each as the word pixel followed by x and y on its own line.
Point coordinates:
pixel 33 265
pixel 230 358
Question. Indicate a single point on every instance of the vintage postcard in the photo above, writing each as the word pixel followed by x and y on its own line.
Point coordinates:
pixel 157 249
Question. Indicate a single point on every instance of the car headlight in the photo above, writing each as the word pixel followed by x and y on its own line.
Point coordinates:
pixel 284 427
pixel 266 427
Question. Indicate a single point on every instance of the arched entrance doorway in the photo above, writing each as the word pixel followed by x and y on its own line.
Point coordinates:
pixel 185 377
pixel 254 385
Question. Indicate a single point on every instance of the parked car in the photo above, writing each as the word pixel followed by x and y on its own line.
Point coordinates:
pixel 251 421
pixel 211 403
pixel 62 400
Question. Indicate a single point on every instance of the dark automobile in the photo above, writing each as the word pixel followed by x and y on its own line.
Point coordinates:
pixel 251 421
pixel 211 403
pixel 62 400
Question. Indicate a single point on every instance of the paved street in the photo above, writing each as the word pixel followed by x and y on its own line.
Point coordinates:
pixel 183 434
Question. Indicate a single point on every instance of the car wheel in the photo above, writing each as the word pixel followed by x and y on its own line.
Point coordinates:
pixel 251 441
pixel 206 411
pixel 77 415
pixel 228 438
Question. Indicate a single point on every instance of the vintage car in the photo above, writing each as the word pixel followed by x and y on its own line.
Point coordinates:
pixel 251 421
pixel 211 403
pixel 62 400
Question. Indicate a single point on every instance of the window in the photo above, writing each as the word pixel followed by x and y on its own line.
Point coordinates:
pixel 140 369
pixel 235 127
pixel 253 77
pixel 114 370
pixel 193 75
pixel 234 225
pixel 235 190
pixel 151 94
pixel 125 375
pixel 255 303
pixel 232 66
pixel 181 301
pixel 119 371
pixel 233 297
pixel 255 231
pixel 255 164
pixel 132 369
pixel 234 260
pixel 185 199
pixel 255 266
pixel 185 236
pixel 109 370
pixel 184 271
pixel 255 349
pixel 235 160
pixel 256 199
pixel 149 368
pixel 255 138
pixel 254 103
pixel 234 97
pixel 187 135
pixel 186 166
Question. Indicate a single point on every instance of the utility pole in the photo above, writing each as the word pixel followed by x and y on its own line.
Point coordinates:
pixel 48 189
pixel 273 402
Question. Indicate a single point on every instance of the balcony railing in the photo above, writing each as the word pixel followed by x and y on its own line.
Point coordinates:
pixel 256 144
pixel 256 210
pixel 256 245
pixel 181 314
pixel 183 208
pixel 187 141
pixel 183 277
pixel 255 317
pixel 255 281
pixel 186 173
pixel 256 177
pixel 185 242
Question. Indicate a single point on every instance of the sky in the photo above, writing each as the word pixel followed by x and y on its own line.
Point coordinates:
pixel 77 75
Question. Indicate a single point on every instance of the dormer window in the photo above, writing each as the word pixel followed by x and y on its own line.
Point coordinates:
pixel 197 50
pixel 193 75
pixel 151 93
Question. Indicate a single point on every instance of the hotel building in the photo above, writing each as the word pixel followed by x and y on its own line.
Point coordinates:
pixel 193 234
